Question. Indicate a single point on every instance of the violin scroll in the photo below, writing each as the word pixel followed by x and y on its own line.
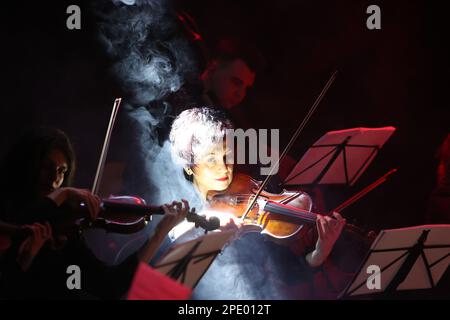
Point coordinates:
pixel 129 214
pixel 210 224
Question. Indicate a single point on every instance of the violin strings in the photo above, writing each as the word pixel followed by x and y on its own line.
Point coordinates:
pixel 292 213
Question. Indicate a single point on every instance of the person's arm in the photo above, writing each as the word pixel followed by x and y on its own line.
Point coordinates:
pixel 33 237
pixel 112 282
pixel 328 230
pixel 174 213
pixel 74 197
pixel 19 257
pixel 30 247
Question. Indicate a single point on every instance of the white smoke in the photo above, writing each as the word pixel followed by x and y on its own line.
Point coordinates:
pixel 132 2
pixel 127 2
pixel 151 56
pixel 151 59
pixel 160 169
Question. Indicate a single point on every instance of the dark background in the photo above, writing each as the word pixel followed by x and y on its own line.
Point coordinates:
pixel 396 76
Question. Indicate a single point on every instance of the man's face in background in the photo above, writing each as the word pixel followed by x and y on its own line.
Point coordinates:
pixel 229 81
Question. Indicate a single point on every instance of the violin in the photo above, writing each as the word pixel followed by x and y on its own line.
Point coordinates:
pixel 246 198
pixel 278 215
pixel 282 216
pixel 122 214
pixel 130 214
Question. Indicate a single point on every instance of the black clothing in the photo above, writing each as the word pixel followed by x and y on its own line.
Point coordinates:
pixel 47 275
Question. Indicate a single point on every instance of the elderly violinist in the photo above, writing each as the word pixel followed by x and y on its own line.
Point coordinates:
pixel 196 138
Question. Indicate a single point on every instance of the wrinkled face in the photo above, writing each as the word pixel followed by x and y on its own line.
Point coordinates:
pixel 53 171
pixel 212 172
pixel 230 82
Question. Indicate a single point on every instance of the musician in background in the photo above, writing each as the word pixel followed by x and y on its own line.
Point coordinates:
pixel 37 175
pixel 36 181
pixel 229 74
pixel 439 202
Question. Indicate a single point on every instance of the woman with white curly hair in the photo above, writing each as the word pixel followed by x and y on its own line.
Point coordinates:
pixel 198 144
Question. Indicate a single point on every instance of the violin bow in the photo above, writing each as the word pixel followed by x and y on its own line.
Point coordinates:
pixel 291 143
pixel 102 161
pixel 363 192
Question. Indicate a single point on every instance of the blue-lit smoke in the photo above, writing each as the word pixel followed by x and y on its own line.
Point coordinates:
pixel 151 56
pixel 151 60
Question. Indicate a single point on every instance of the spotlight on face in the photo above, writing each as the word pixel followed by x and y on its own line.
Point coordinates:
pixel 211 171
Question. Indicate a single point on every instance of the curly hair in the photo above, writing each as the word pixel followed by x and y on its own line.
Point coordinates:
pixel 195 131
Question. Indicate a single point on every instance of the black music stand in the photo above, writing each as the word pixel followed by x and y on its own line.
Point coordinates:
pixel 413 258
pixel 339 157
pixel 188 262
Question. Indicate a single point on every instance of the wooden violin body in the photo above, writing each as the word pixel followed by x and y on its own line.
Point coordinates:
pixel 265 214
